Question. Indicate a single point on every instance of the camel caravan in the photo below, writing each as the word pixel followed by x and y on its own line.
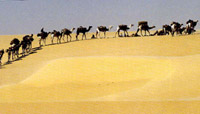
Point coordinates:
pixel 143 26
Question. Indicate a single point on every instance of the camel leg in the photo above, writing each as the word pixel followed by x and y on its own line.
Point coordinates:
pixel 145 33
pixel 117 32
pixel 77 37
pixel 172 33
pixel 57 40
pixel 17 53
pixel 23 52
pixel 137 32
pixel 9 53
pixel 30 47
pixel 85 37
pixel 156 33
pixel 141 32
pixel 67 38
pixel 13 54
pixel 124 33
pixel 99 34
pixel 40 42
pixel 104 34
pixel 96 33
pixel 60 39
pixel 63 38
pixel 70 37
pixel 44 42
pixel 148 32
pixel 26 50
pixel 52 40
pixel 127 34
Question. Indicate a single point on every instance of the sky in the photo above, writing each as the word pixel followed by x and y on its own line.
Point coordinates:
pixel 29 16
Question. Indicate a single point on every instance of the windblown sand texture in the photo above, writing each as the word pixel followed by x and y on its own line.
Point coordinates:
pixel 134 75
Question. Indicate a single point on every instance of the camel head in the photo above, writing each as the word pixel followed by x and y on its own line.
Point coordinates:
pixel 72 29
pixel 110 27
pixel 89 28
pixel 42 30
pixel 152 27
pixel 131 25
pixel 164 26
pixel 173 23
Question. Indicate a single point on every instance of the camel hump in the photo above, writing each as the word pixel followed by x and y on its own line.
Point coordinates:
pixel 142 23
pixel 174 23
pixel 189 21
pixel 125 26
pixel 26 37
pixel 102 27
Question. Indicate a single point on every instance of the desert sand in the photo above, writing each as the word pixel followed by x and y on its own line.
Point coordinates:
pixel 134 75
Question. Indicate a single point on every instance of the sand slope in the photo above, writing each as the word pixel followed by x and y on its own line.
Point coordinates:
pixel 75 79
pixel 141 75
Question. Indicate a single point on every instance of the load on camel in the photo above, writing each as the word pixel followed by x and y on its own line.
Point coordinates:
pixel 143 26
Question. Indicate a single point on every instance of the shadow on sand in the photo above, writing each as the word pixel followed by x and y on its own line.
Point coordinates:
pixel 33 51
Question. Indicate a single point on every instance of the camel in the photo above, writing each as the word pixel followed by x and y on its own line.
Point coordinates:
pixel 42 36
pixel 1 55
pixel 82 30
pixel 103 29
pixel 124 28
pixel 143 25
pixel 9 51
pixel 24 45
pixel 175 26
pixel 56 34
pixel 167 29
pixel 30 40
pixel 159 32
pixel 27 43
pixel 182 29
pixel 15 45
pixel 67 32
pixel 190 26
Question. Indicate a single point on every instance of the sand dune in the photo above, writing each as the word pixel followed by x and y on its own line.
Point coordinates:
pixel 74 79
pixel 141 75
pixel 181 85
